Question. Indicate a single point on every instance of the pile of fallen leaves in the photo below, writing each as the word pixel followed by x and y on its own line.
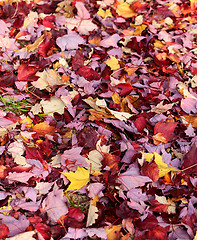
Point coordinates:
pixel 98 118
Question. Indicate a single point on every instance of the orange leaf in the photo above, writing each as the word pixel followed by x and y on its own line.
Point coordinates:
pixel 191 119
pixel 43 128
pixel 113 233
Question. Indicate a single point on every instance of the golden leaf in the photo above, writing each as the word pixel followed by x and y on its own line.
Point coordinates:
pixel 113 63
pixel 104 14
pixel 35 45
pixel 116 98
pixel 113 233
pixel 163 167
pixel 78 179
pixel 43 128
pixel 123 9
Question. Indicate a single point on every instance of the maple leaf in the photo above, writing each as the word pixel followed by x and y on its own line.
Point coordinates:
pixel 70 41
pixel 104 13
pixel 78 179
pixel 163 167
pixel 189 160
pixel 43 128
pixel 27 73
pixel 160 108
pixel 74 218
pixel 151 170
pixel 159 233
pixel 113 232
pixel 113 63
pixel 164 132
pixel 123 9
pixel 88 73
pixel 190 119
pixel 48 79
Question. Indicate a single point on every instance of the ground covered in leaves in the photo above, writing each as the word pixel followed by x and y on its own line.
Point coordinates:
pixel 98 120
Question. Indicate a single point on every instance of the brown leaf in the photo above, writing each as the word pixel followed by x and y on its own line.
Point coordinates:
pixel 111 161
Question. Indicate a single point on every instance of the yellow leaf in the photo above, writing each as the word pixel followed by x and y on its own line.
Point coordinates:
pixel 35 45
pixel 104 14
pixel 140 29
pixel 163 167
pixel 78 179
pixel 193 4
pixel 27 120
pixel 116 98
pixel 113 63
pixel 124 10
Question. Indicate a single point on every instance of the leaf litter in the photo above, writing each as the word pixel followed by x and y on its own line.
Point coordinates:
pixel 98 118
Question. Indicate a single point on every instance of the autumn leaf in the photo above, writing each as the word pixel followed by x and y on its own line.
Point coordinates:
pixel 113 232
pixel 189 160
pixel 113 63
pixel 123 9
pixel 34 46
pixel 43 128
pixel 164 132
pixel 104 13
pixel 163 167
pixel 92 212
pixel 78 179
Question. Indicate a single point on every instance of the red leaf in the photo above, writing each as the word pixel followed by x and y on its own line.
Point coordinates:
pixel 33 153
pixel 44 47
pixel 164 131
pixel 44 230
pixel 126 88
pixel 49 21
pixel 151 170
pixel 74 218
pixel 111 161
pixel 78 60
pixel 4 230
pixel 190 161
pixel 149 223
pixel 159 233
pixel 7 80
pixel 45 147
pixel 27 73
pixel 140 124
pixel 88 73
pixel 157 206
